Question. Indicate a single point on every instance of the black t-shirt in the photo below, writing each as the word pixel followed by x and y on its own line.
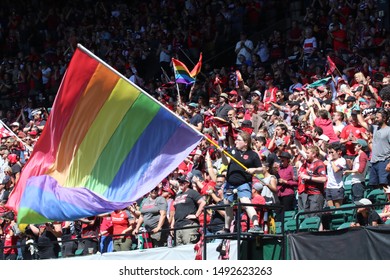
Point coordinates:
pixel 236 175
pixel 186 204
pixel 48 247
pixel 372 216
pixel 217 221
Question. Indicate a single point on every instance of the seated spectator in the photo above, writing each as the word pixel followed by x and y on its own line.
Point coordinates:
pixel 366 216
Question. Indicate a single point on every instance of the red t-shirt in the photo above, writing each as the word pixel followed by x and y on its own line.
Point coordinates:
pixel 357 133
pixel 269 95
pixel 120 222
pixel 106 225
pixel 327 127
pixel 340 34
pixel 10 241
pixel 315 169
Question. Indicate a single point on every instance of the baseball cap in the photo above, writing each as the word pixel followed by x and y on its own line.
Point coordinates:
pixel 36 112
pixel 285 155
pixel 246 123
pixel 183 178
pixel 196 173
pixel 258 186
pixel 257 92
pixel 224 95
pixel 15 124
pixel 169 190
pixel 361 142
pixel 363 201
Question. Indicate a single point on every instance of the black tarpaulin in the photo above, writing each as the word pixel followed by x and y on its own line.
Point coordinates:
pixel 360 243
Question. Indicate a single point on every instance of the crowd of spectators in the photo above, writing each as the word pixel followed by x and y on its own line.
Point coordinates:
pixel 311 122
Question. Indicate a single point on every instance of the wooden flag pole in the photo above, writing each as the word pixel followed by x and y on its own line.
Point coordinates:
pixel 226 153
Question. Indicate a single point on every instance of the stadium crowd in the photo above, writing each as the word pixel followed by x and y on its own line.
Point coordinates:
pixel 310 100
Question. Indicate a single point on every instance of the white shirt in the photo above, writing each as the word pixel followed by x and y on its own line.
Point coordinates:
pixel 244 51
pixel 335 179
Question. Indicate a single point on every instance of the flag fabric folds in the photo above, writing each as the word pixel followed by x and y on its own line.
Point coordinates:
pixel 182 74
pixel 4 132
pixel 106 144
pixel 332 65
pixel 318 83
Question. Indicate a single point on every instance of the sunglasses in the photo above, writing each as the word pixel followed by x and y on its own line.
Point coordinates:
pixel 386 105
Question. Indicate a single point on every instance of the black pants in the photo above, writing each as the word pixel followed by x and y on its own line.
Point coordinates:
pixel 289 202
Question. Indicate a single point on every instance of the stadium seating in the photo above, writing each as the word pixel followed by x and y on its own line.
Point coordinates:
pixel 310 224
pixel 377 196
pixel 344 225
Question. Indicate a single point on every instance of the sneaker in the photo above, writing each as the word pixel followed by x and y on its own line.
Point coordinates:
pixel 223 231
pixel 255 229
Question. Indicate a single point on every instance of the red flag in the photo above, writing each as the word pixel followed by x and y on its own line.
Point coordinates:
pixel 332 66
pixel 4 132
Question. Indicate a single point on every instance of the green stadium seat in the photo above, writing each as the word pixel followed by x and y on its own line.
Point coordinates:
pixel 79 252
pixel 349 215
pixel 347 189
pixel 278 226
pixel 289 215
pixel 310 224
pixel 290 226
pixel 337 218
pixel 377 196
pixel 344 225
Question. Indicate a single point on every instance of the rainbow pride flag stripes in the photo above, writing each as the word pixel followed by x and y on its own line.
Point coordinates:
pixel 182 74
pixel 105 144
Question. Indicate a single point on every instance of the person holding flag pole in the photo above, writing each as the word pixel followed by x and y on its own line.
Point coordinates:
pixel 243 163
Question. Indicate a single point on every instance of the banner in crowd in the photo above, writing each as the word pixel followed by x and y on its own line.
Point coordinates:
pixel 319 83
pixel 106 144
pixel 182 74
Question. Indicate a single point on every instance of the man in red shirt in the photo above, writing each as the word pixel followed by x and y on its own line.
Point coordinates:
pixel 338 37
pixel 269 93
pixel 351 133
pixel 314 178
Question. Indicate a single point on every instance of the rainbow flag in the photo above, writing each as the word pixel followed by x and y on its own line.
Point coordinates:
pixel 182 74
pixel 106 144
